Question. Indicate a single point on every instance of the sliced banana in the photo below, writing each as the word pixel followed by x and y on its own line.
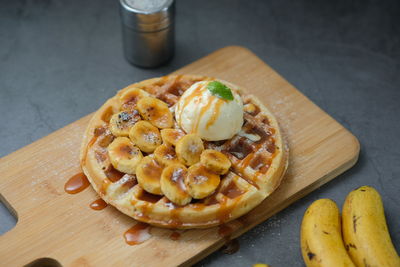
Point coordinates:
pixel 124 156
pixel 215 161
pixel 122 122
pixel 148 174
pixel 165 155
pixel 172 184
pixel 155 111
pixel 130 97
pixel 145 136
pixel 200 182
pixel 171 136
pixel 189 149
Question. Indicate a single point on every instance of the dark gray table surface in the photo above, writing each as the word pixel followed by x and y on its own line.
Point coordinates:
pixel 60 60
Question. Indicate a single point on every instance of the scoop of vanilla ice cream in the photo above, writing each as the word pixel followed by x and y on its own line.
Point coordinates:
pixel 209 116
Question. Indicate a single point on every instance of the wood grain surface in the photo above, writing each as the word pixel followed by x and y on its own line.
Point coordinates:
pixel 53 224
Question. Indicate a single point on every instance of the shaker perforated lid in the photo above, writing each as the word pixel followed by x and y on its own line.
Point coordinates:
pixel 147 15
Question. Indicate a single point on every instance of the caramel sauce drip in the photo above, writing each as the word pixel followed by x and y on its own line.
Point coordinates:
pixel 174 212
pixel 175 236
pixel 137 234
pixel 76 184
pixel 225 230
pixel 231 247
pixel 215 113
pixel 196 93
pixel 96 133
pixel 203 110
pixel 98 204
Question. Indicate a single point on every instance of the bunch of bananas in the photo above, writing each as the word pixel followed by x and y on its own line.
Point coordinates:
pixel 165 160
pixel 359 238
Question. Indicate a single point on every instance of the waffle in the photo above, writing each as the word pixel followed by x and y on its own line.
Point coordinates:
pixel 257 154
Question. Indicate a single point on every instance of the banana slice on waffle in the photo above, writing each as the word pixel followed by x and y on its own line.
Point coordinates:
pixel 124 156
pixel 148 174
pixel 189 149
pixel 201 182
pixel 139 159
pixel 165 155
pixel 215 161
pixel 155 111
pixel 122 122
pixel 129 98
pixel 173 185
pixel 145 136
pixel 171 136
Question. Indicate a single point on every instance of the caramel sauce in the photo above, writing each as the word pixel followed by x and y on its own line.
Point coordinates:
pixel 76 184
pixel 175 236
pixel 96 133
pixel 137 234
pixel 98 204
pixel 130 183
pixel 260 163
pixel 224 213
pixel 215 113
pixel 202 111
pixel 145 196
pixel 125 151
pixel 176 222
pixel 231 247
pixel 113 175
pixel 196 93
pixel 232 191
pixel 153 169
pixel 198 206
pixel 174 212
pixel 99 131
pixel 225 230
pixel 130 101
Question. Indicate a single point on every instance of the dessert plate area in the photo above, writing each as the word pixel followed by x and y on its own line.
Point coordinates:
pixel 57 227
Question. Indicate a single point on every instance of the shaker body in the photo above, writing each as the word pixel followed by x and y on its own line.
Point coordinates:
pixel 148 35
pixel 148 49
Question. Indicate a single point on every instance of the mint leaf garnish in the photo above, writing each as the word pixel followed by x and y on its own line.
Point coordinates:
pixel 220 90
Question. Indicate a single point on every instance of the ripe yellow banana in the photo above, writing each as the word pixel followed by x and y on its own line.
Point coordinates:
pixel 365 231
pixel 321 236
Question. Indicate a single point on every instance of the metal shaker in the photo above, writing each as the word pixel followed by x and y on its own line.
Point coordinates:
pixel 148 30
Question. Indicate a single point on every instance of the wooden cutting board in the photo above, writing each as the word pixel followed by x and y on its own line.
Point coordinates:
pixel 53 224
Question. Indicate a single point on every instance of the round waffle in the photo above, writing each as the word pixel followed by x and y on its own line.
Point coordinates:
pixel 257 154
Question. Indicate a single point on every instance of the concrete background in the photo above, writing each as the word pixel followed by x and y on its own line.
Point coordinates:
pixel 60 60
